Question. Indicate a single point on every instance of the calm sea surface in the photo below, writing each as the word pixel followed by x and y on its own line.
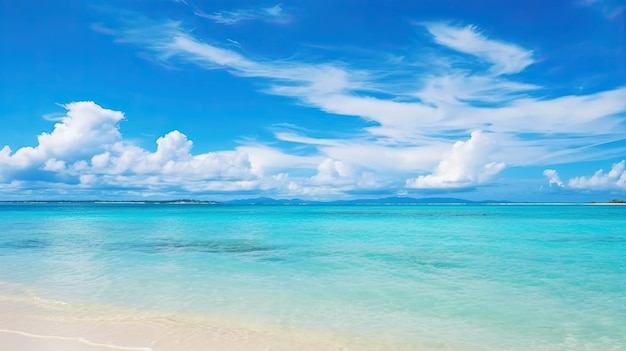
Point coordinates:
pixel 466 277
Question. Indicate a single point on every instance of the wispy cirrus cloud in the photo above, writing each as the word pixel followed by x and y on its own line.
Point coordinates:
pixel 505 58
pixel 446 100
pixel 611 9
pixel 438 109
pixel 273 14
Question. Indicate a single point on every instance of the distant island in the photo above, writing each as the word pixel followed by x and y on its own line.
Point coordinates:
pixel 614 201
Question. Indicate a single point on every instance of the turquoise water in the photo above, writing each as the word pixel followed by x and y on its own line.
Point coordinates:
pixel 482 277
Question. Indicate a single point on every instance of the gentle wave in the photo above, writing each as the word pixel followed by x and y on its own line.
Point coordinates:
pixel 79 340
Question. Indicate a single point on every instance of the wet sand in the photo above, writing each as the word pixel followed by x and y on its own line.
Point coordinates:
pixel 28 333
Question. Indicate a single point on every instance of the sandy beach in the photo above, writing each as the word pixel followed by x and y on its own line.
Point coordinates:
pixel 28 324
pixel 38 333
pixel 33 334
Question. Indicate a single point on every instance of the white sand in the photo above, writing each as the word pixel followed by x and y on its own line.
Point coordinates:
pixel 33 334
pixel 28 324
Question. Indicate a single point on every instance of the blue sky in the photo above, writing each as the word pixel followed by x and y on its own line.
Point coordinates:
pixel 521 100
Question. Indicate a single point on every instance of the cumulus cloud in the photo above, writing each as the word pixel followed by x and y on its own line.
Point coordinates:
pixel 85 128
pixel 333 172
pixel 553 177
pixel 615 179
pixel 54 165
pixel 87 151
pixel 172 159
pixel 343 176
pixel 467 164
pixel 86 145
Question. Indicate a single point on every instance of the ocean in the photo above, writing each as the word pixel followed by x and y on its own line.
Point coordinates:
pixel 433 277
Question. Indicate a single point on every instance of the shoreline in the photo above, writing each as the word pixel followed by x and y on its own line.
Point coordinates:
pixel 26 341
pixel 31 333
pixel 34 323
pixel 25 332
pixel 30 320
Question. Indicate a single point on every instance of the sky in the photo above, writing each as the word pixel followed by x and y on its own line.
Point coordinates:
pixel 313 99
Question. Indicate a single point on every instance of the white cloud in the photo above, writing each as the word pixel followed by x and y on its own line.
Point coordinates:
pixel 374 156
pixel 333 172
pixel 110 162
pixel 85 128
pixel 266 160
pixel 506 58
pixel 172 161
pixel 86 144
pixel 274 11
pixel 410 129
pixel 460 87
pixel 273 14
pixel 553 177
pixel 467 164
pixel 54 165
pixel 410 136
pixel 613 180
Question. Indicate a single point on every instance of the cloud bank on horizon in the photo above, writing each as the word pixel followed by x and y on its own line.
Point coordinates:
pixel 453 116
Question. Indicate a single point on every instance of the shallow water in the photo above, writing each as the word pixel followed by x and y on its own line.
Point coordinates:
pixel 464 277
